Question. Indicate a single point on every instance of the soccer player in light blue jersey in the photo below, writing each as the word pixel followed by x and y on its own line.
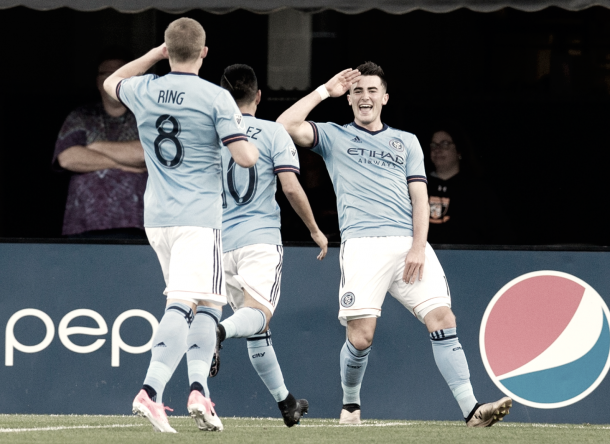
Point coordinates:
pixel 251 237
pixel 184 124
pixel 379 179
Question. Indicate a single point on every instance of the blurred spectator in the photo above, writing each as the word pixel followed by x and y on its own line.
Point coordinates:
pixel 99 145
pixel 463 208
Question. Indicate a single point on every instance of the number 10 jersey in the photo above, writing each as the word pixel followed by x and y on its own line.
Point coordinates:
pixel 251 215
pixel 183 122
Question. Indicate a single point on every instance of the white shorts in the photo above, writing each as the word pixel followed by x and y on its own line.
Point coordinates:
pixel 191 260
pixel 257 269
pixel 373 266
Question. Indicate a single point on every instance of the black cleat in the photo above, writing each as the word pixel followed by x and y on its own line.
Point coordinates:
pixel 220 336
pixel 293 409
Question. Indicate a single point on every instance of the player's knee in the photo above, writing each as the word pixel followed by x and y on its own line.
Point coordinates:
pixel 440 318
pixel 361 340
pixel 362 343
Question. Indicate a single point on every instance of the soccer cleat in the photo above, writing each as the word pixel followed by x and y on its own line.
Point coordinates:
pixel 220 336
pixel 155 413
pixel 202 411
pixel 350 415
pixel 486 415
pixel 293 409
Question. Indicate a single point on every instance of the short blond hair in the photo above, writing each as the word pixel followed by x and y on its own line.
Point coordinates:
pixel 184 38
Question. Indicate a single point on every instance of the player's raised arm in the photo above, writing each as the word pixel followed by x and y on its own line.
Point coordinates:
pixel 414 263
pixel 294 117
pixel 244 153
pixel 135 68
pixel 299 202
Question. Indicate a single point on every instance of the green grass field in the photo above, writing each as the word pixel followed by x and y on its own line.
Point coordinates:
pixel 119 429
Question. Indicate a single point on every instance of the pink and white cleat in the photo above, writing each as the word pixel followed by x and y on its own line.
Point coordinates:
pixel 155 413
pixel 202 411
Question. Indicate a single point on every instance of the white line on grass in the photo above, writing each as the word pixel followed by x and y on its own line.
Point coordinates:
pixel 49 429
pixel 385 424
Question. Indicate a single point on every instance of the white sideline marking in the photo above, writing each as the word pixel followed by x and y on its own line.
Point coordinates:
pixel 49 429
pixel 385 424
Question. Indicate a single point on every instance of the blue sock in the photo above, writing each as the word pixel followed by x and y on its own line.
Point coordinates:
pixel 353 366
pixel 245 322
pixel 169 346
pixel 451 361
pixel 264 361
pixel 201 342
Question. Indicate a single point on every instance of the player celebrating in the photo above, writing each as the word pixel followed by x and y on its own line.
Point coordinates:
pixel 379 178
pixel 251 237
pixel 181 120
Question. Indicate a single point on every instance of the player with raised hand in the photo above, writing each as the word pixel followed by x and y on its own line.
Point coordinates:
pixel 379 179
pixel 182 120
pixel 251 237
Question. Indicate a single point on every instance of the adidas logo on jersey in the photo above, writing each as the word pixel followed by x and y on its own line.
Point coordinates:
pixel 160 344
pixel 258 355
pixel 194 347
pixel 356 139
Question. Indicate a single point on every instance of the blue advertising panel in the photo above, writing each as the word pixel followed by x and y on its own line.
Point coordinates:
pixel 76 325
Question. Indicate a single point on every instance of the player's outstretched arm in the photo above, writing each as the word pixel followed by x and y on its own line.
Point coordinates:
pixel 294 117
pixel 134 68
pixel 245 154
pixel 298 200
pixel 414 263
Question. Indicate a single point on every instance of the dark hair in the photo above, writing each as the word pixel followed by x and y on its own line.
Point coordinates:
pixel 114 53
pixel 463 145
pixel 241 82
pixel 372 69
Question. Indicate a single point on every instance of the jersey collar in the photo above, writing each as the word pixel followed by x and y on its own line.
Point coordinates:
pixel 355 125
pixel 183 73
pixel 246 114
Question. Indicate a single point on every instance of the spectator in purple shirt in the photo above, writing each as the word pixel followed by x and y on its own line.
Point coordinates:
pixel 99 145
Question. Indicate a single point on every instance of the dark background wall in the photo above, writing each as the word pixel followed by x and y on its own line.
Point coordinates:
pixel 530 89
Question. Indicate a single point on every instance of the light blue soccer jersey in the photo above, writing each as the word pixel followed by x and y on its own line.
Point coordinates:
pixel 183 122
pixel 370 172
pixel 251 215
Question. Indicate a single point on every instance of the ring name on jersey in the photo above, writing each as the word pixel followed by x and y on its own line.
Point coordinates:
pixel 170 96
pixel 380 158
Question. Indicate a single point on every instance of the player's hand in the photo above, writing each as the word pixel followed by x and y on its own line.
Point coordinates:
pixel 320 239
pixel 341 83
pixel 161 52
pixel 414 265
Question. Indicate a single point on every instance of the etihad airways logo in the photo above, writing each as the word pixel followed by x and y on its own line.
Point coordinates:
pixel 380 158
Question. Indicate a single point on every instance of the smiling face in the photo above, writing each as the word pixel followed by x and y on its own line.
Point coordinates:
pixel 367 98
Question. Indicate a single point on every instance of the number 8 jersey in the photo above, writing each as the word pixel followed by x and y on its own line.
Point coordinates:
pixel 183 122
pixel 251 214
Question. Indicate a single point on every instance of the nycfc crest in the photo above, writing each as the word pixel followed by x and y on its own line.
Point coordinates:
pixel 348 299
pixel 239 120
pixel 397 145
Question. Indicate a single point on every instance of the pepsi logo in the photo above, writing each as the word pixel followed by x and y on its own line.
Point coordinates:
pixel 545 339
